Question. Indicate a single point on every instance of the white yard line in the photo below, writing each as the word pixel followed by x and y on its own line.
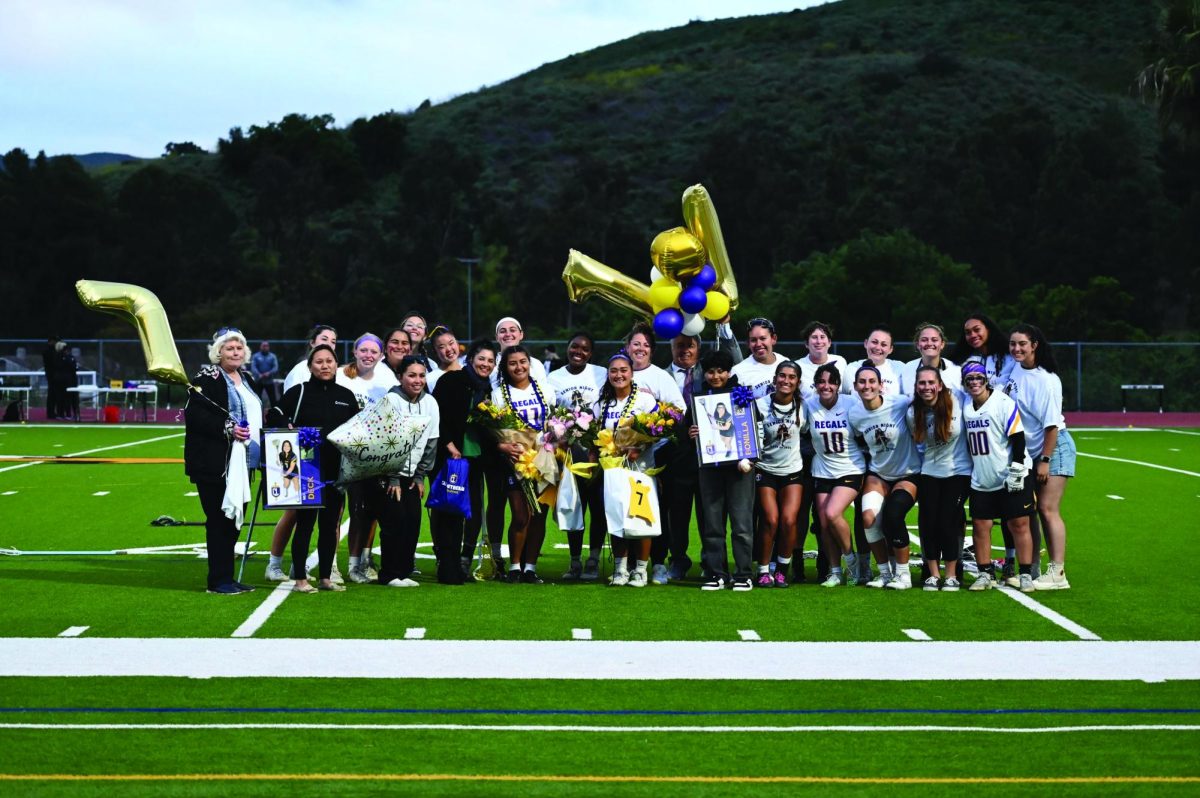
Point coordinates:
pixel 916 634
pixel 73 631
pixel 414 633
pixel 1182 431
pixel 602 729
pixel 95 451
pixel 581 634
pixel 1131 660
pixel 1049 614
pixel 1139 462
pixel 1115 497
pixel 749 635
pixel 101 493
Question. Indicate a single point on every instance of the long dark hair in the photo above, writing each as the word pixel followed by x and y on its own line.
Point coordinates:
pixel 996 344
pixel 943 410
pixel 515 349
pixel 607 394
pixel 1043 355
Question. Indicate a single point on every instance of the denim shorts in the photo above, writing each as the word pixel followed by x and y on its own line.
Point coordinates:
pixel 1062 459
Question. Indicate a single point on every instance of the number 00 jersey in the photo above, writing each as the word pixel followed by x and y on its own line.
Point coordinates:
pixel 893 453
pixel 837 453
pixel 987 431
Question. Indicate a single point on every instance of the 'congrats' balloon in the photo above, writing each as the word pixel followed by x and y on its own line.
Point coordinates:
pixel 378 441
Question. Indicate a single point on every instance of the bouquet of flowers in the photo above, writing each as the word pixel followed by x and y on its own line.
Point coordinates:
pixel 639 432
pixel 567 429
pixel 537 467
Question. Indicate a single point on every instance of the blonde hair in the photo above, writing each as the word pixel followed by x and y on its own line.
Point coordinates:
pixel 219 340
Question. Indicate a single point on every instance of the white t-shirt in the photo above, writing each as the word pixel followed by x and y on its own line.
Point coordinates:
pixel 660 384
pixel 425 406
pixel 254 419
pixel 577 391
pixel 885 430
pixel 536 372
pixel 836 453
pixel 532 404
pixel 782 428
pixel 951 376
pixel 758 377
pixel 808 373
pixel 1038 394
pixel 889 370
pixel 946 459
pixel 987 431
pixel 609 413
pixel 299 373
pixel 368 392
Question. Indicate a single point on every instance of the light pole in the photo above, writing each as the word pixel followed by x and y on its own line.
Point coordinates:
pixel 470 264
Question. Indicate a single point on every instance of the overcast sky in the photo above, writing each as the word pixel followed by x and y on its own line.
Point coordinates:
pixel 128 76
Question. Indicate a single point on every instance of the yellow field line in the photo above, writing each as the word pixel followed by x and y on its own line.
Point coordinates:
pixel 418 777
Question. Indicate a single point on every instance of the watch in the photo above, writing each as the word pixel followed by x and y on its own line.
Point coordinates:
pixel 1043 459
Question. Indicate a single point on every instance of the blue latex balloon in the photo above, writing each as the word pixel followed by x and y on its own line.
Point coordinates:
pixel 693 299
pixel 668 323
pixel 706 279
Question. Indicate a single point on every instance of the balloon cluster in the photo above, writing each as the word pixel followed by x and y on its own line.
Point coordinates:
pixel 682 284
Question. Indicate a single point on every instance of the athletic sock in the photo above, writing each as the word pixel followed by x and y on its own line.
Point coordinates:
pixel 1025 568
pixel 640 565
pixel 529 566
pixel 835 571
pixel 764 569
pixel 1010 555
pixel 354 561
pixel 988 568
pixel 784 561
pixel 276 562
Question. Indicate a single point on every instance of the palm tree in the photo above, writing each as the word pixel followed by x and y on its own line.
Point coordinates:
pixel 1173 77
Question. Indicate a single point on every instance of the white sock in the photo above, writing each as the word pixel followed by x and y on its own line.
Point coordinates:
pixel 621 566
pixel 276 562
pixel 531 567
pixel 784 560
pixel 516 566
pixel 835 570
pixel 639 565
pixel 764 569
pixel 354 561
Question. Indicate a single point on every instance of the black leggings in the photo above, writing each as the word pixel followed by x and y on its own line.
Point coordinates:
pixel 326 519
pixel 453 535
pixel 399 525
pixel 220 534
pixel 940 516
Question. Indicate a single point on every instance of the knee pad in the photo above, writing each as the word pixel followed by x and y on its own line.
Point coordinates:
pixel 895 509
pixel 873 502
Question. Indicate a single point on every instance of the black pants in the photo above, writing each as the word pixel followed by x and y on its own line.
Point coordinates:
pixel 681 495
pixel 940 516
pixel 220 534
pixel 327 519
pixel 399 526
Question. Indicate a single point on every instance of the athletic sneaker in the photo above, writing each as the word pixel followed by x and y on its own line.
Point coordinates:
pixel 659 575
pixel 780 578
pixel 637 577
pixel 765 580
pixel 1055 578
pixel 1009 576
pixel 864 577
pixel 227 589
pixel 591 570
pixel 1026 584
pixel 833 580
pixel 931 584
pixel 336 575
pixel 902 581
pixel 575 574
pixel 619 579
pixel 359 577
pixel 275 574
pixel 370 571
pixel 742 584
pixel 880 581
pixel 982 582
pixel 951 585
pixel 678 570
pixel 514 576
pixel 406 582
pixel 714 583
pixel 531 578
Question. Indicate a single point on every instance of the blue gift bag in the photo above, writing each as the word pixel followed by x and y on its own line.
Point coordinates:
pixel 449 491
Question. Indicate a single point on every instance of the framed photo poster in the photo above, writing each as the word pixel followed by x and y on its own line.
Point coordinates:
pixel 728 432
pixel 293 474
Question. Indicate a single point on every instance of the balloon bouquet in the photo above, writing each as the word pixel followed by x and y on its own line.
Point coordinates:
pixel 691 280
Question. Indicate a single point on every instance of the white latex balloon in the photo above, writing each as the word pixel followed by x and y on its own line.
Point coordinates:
pixel 655 275
pixel 693 324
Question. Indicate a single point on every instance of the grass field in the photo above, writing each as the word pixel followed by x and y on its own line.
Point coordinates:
pixel 163 689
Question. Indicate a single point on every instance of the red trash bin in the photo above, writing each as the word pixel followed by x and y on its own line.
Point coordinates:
pixel 112 414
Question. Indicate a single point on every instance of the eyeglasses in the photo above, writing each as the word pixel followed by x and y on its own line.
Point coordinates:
pixel 759 321
pixel 227 330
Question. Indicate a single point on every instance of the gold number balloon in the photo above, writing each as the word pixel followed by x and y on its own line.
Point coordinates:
pixel 700 216
pixel 586 277
pixel 141 308
pixel 678 254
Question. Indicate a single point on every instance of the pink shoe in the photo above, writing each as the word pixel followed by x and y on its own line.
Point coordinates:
pixel 780 579
pixel 765 580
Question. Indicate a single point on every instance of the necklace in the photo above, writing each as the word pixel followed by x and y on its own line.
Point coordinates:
pixel 627 410
pixel 537 392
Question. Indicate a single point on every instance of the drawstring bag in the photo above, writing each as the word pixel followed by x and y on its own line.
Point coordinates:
pixel 449 490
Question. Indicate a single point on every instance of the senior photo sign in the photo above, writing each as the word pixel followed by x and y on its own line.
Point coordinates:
pixel 293 474
pixel 728 430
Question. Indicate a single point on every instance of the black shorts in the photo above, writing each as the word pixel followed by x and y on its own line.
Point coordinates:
pixel 993 504
pixel 775 482
pixel 892 483
pixel 852 481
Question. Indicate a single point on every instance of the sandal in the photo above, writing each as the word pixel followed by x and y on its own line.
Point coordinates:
pixel 305 588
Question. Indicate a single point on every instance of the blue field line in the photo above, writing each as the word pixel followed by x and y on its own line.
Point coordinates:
pixel 595 712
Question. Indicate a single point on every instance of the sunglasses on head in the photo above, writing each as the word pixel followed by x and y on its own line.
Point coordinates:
pixel 227 330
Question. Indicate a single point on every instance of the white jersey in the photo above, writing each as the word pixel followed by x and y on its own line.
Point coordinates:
pixel 808 373
pixel 885 430
pixel 836 454
pixel 1038 394
pixel 532 404
pixel 782 428
pixel 426 406
pixel 610 413
pixel 946 459
pixel 987 434
pixel 758 377
pixel 660 384
pixel 951 376
pixel 577 391
pixel 368 392
pixel 889 370
pixel 536 372
pixel 299 373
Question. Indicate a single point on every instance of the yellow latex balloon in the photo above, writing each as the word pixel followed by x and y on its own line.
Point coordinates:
pixel 664 294
pixel 587 277
pixel 677 254
pixel 700 216
pixel 717 307
pixel 141 308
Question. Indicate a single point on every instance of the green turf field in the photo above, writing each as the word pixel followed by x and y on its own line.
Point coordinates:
pixel 1136 491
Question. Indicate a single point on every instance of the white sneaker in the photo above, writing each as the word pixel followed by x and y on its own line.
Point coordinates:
pixel 903 581
pixel 931 584
pixel 403 583
pixel 880 581
pixel 951 585
pixel 1026 584
pixel 359 577
pixel 637 578
pixel 1055 578
pixel 275 574
pixel 982 582
pixel 833 580
pixel 619 579
pixel 370 572
pixel 335 575
pixel 659 575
